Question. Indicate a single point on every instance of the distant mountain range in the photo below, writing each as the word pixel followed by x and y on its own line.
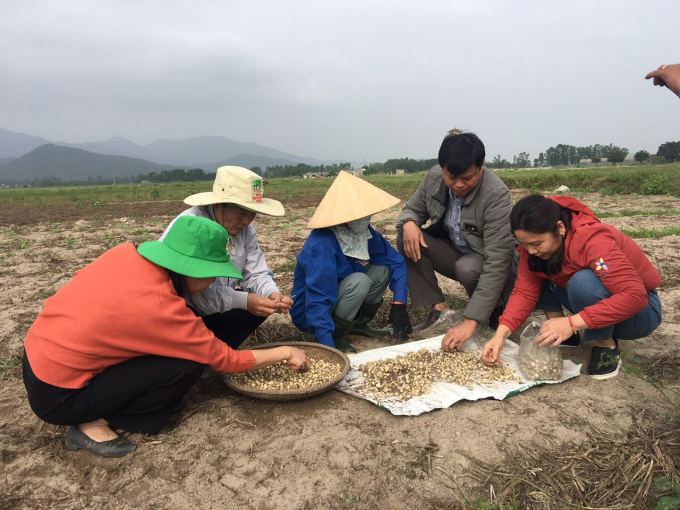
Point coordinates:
pixel 69 164
pixel 25 157
pixel 15 145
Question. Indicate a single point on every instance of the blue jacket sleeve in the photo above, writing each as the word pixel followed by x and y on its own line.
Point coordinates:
pixel 321 290
pixel 383 254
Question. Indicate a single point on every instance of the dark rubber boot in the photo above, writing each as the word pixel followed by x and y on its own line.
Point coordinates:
pixel 431 319
pixel 366 314
pixel 342 327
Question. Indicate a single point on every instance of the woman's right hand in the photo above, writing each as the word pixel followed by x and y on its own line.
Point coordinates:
pixel 491 355
pixel 294 358
pixel 298 359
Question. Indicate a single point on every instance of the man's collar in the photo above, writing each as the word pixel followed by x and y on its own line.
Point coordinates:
pixel 454 197
pixel 441 195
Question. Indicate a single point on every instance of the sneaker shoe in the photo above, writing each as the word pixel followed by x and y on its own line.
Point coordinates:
pixel 431 319
pixel 604 362
pixel 573 341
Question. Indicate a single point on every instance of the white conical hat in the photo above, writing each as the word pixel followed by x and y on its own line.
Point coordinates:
pixel 350 198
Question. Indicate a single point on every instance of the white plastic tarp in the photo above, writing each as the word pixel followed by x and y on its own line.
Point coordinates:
pixel 443 394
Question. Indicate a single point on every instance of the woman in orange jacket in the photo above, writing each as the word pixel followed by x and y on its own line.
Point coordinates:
pixel 118 348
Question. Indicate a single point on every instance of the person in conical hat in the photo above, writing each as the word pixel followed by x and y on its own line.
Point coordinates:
pixel 345 266
pixel 236 198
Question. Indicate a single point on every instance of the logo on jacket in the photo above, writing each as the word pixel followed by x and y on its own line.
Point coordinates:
pixel 601 265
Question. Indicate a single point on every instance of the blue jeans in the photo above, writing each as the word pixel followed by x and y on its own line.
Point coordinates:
pixel 585 289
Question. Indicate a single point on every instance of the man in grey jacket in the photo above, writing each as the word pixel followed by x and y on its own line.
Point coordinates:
pixel 230 313
pixel 468 239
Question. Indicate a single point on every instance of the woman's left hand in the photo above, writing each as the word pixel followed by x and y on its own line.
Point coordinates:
pixel 554 332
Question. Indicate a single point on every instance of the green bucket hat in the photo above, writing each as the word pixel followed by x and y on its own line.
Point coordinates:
pixel 193 246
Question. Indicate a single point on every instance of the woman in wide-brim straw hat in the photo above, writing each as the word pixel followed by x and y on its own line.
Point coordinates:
pixel 118 348
pixel 236 198
pixel 345 266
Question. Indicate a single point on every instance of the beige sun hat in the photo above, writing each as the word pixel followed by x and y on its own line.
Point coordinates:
pixel 240 186
pixel 350 198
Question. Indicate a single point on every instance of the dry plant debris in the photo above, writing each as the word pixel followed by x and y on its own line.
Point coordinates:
pixel 412 374
pixel 279 377
pixel 607 472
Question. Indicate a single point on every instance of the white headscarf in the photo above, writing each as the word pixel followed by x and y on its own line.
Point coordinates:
pixel 353 238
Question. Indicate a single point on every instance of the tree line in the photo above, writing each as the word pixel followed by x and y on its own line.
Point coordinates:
pixel 570 155
pixel 388 167
pixel 176 175
pixel 277 171
pixel 563 155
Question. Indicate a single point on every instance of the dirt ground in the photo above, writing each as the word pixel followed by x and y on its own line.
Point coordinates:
pixel 571 445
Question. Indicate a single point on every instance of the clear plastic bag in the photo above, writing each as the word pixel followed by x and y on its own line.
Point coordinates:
pixel 538 363
pixel 449 318
pixel 446 321
pixel 483 333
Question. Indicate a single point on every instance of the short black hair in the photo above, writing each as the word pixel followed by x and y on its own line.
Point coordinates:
pixel 459 151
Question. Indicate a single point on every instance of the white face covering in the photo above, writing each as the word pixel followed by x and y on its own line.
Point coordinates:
pixel 353 237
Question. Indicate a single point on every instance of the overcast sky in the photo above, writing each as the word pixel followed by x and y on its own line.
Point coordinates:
pixel 342 80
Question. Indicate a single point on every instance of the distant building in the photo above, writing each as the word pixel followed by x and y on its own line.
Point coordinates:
pixel 400 171
pixel 629 161
pixel 314 175
pixel 589 162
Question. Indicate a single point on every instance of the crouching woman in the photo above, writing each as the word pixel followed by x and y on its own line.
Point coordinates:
pixel 569 259
pixel 118 348
pixel 345 267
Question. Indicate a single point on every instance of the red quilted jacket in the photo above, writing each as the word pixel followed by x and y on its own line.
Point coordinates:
pixel 622 266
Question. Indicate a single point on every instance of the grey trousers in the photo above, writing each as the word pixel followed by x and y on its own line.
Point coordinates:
pixel 357 288
pixel 442 257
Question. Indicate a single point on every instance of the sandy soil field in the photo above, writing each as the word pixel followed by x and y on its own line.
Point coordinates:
pixel 574 445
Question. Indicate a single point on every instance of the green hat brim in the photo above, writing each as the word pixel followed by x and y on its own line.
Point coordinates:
pixel 159 253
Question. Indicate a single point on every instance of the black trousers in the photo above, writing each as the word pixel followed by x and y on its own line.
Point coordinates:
pixel 137 395
pixel 234 326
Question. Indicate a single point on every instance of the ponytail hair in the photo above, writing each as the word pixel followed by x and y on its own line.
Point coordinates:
pixel 537 214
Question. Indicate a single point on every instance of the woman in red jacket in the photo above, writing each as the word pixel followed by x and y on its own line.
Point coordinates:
pixel 118 348
pixel 569 259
